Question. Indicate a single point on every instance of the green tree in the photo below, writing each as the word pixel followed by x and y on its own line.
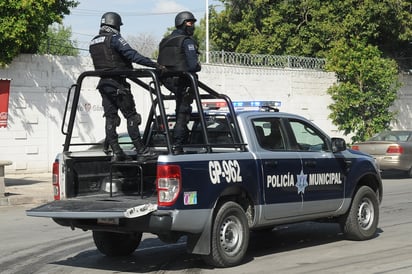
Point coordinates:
pixel 58 42
pixel 368 32
pixel 308 27
pixel 23 24
pixel 366 89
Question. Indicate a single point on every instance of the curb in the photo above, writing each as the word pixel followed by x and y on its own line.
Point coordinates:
pixel 24 189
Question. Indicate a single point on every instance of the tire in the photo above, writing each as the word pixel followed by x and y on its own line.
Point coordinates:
pixel 361 222
pixel 114 244
pixel 230 236
pixel 409 173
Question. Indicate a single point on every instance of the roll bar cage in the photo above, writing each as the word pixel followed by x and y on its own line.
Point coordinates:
pixel 153 86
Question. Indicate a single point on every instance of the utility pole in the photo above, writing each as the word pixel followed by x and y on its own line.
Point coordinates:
pixel 207 31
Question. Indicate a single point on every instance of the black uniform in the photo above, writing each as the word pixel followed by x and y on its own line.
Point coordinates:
pixel 110 51
pixel 179 52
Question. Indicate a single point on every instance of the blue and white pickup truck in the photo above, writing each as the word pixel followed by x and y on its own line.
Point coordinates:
pixel 240 171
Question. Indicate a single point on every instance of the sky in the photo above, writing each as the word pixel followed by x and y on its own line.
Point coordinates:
pixel 138 16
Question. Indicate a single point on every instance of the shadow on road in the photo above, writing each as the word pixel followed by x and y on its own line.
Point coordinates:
pixel 20 182
pixel 153 255
pixel 394 175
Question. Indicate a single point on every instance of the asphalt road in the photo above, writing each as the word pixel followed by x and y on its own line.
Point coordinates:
pixel 38 245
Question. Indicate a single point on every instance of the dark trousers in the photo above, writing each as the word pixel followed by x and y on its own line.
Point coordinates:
pixel 181 87
pixel 117 96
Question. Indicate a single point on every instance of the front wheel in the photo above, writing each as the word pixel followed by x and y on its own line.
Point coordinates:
pixel 114 244
pixel 409 173
pixel 361 222
pixel 230 236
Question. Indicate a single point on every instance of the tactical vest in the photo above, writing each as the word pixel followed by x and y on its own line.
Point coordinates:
pixel 104 57
pixel 171 53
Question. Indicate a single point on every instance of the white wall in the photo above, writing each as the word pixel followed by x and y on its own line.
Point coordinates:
pixel 40 83
pixel 37 97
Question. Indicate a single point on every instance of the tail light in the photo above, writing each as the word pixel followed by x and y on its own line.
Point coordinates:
pixel 56 181
pixel 395 149
pixel 168 184
pixel 355 147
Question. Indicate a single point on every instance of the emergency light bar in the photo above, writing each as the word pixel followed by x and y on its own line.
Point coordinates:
pixel 250 105
pixel 214 104
pixel 256 103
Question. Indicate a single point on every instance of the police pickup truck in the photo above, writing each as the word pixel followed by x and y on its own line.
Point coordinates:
pixel 240 171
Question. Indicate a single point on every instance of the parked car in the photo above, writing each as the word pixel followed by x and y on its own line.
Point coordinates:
pixel 391 149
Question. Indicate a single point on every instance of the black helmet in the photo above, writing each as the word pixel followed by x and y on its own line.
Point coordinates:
pixel 111 19
pixel 183 16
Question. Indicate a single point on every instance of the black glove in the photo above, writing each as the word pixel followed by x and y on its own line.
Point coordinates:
pixel 161 69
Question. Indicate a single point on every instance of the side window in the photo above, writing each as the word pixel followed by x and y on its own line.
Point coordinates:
pixel 218 127
pixel 269 133
pixel 308 137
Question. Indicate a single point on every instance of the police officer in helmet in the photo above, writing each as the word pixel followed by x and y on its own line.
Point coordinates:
pixel 178 52
pixel 110 51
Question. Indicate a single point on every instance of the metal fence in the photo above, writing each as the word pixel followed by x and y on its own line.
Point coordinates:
pixel 264 60
pixel 247 59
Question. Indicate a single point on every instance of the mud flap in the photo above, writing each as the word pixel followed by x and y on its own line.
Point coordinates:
pixel 200 243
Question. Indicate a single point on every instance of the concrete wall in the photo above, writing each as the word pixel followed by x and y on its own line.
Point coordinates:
pixel 403 105
pixel 40 84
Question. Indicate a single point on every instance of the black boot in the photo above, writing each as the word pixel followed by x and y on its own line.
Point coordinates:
pixel 142 150
pixel 118 154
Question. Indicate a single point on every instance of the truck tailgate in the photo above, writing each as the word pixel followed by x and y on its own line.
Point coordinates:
pixel 92 209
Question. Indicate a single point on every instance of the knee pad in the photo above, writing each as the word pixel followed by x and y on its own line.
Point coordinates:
pixel 134 120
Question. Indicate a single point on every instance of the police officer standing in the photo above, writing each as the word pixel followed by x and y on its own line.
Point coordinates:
pixel 178 52
pixel 110 51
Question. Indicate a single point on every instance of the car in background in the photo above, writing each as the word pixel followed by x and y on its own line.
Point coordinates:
pixel 391 149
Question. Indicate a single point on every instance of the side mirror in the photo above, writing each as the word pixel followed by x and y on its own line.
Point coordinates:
pixel 338 144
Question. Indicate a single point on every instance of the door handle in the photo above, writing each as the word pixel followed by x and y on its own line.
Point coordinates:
pixel 271 163
pixel 309 163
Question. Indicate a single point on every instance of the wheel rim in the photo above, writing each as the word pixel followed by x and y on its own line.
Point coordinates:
pixel 231 236
pixel 366 214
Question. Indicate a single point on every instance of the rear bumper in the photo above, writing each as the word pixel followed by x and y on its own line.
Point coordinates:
pixel 148 223
pixel 115 215
pixel 122 216
pixel 394 162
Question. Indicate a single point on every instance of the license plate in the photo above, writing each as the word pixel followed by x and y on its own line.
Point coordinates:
pixel 108 221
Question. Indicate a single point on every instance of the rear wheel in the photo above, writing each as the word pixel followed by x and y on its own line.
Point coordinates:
pixel 230 236
pixel 114 244
pixel 361 222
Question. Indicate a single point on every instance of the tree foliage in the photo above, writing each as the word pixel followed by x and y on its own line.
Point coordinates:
pixel 23 24
pixel 356 37
pixel 58 42
pixel 309 27
pixel 366 89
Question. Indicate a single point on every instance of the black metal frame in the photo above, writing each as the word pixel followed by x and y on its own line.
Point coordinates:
pixel 157 98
